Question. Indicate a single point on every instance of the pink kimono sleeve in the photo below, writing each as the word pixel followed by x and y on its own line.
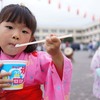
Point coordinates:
pixel 55 88
pixel 95 66
pixel 95 63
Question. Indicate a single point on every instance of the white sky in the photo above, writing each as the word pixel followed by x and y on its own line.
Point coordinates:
pixel 49 15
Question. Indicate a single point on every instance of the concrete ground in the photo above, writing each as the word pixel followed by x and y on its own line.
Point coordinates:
pixel 82 79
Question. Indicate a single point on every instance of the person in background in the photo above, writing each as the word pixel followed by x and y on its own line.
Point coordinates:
pixel 95 45
pixel 90 49
pixel 95 67
pixel 51 68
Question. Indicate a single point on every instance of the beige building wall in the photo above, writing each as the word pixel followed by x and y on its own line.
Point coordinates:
pixel 80 35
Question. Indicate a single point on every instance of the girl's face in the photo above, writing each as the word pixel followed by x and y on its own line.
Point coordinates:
pixel 12 34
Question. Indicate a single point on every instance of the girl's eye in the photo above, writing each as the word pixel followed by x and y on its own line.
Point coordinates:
pixel 9 27
pixel 25 32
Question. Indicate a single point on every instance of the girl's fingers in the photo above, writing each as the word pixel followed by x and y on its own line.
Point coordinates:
pixel 5 82
pixel 4 74
pixel 5 85
pixel 2 81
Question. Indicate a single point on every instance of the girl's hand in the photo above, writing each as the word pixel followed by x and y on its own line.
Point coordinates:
pixel 4 82
pixel 52 45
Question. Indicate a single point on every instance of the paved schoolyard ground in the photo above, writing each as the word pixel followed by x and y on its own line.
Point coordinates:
pixel 82 80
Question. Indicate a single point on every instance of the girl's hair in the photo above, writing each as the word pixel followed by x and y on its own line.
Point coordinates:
pixel 20 14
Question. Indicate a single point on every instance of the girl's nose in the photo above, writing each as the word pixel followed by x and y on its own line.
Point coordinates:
pixel 15 37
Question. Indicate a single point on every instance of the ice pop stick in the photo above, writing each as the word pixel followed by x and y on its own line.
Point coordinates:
pixel 41 41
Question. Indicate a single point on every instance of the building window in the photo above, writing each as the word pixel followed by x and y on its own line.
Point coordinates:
pixel 70 31
pixel 45 30
pixel 37 31
pixel 53 30
pixel 62 31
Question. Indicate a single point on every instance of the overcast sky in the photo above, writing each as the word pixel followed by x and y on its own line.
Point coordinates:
pixel 49 15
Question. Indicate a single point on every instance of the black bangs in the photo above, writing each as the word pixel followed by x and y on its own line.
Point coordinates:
pixel 20 14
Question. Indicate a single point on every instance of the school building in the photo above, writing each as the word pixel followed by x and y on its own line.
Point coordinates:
pixel 80 35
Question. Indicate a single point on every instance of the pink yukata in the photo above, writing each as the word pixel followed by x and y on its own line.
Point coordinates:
pixel 41 70
pixel 95 65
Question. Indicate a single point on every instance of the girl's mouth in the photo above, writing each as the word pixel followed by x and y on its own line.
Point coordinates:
pixel 12 44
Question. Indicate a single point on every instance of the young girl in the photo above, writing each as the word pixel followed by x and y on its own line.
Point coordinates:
pixel 95 66
pixel 52 69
